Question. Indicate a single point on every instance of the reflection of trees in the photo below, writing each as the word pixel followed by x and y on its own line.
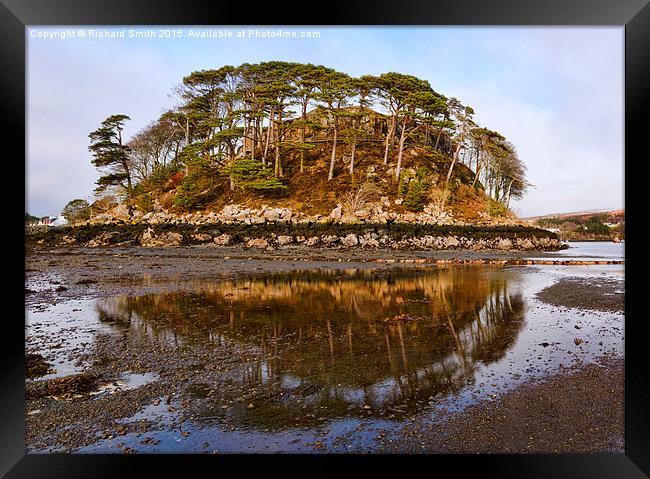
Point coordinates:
pixel 323 340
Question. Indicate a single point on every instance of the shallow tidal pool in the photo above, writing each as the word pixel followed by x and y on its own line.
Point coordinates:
pixel 310 361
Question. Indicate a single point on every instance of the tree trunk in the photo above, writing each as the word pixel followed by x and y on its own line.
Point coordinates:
pixel 435 147
pixel 354 150
pixel 254 139
pixel 278 161
pixel 302 137
pixel 393 131
pixel 453 161
pixel 508 193
pixel 478 171
pixel 333 158
pixel 389 136
pixel 402 139
pixel 269 131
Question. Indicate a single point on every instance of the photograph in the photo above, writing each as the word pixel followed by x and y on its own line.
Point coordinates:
pixel 307 239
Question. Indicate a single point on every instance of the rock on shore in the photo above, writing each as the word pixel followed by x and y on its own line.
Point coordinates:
pixel 393 236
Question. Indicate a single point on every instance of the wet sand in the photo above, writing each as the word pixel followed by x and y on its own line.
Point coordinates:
pixel 577 410
pixel 582 293
pixel 580 411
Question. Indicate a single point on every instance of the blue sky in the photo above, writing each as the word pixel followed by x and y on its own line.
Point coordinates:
pixel 556 93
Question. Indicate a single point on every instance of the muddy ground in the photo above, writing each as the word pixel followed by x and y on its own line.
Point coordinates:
pixel 584 293
pixel 580 410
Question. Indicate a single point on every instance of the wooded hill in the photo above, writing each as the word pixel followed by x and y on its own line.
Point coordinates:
pixel 308 137
pixel 585 226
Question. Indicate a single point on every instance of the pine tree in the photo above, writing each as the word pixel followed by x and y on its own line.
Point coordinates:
pixel 111 155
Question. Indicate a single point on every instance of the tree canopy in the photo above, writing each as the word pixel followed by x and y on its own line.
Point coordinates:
pixel 258 123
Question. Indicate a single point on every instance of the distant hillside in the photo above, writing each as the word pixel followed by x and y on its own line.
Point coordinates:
pixel 586 213
pixel 585 225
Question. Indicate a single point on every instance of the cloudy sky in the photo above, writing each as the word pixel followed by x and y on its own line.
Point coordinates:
pixel 556 93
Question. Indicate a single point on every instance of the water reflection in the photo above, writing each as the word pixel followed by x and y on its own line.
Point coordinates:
pixel 325 342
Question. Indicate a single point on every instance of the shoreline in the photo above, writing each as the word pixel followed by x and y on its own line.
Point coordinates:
pixel 315 236
pixel 65 275
pixel 83 272
pixel 556 414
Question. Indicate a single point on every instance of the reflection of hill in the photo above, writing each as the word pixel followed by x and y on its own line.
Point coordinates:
pixel 324 340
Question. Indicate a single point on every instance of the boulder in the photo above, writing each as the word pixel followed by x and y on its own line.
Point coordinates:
pixel 284 240
pixel 337 212
pixel 223 240
pixel 230 210
pixel 329 239
pixel 451 242
pixel 272 215
pixel 350 240
pixel 314 240
pixel 367 241
pixel 525 243
pixel 257 243
pixel 202 237
pixel 504 243
pixel 68 239
pixel 362 214
pixel 150 239
pixel 103 239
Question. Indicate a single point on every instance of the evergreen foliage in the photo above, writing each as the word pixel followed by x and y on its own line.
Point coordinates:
pixel 258 125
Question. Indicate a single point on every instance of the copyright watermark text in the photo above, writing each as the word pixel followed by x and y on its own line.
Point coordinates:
pixel 261 33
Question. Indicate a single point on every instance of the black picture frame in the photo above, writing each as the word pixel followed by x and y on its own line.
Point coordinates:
pixel 634 15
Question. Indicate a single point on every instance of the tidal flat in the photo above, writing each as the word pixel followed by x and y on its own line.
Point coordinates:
pixel 220 350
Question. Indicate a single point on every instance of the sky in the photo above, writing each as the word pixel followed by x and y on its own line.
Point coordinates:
pixel 555 93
